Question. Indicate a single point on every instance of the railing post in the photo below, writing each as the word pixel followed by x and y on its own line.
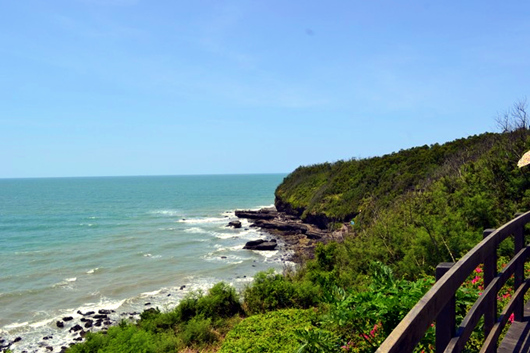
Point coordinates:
pixel 445 321
pixel 490 271
pixel 519 271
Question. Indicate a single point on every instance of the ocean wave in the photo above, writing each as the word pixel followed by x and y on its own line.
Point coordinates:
pixel 16 325
pixel 170 213
pixel 194 230
pixel 203 220
pixel 89 272
pixel 152 256
pixel 65 283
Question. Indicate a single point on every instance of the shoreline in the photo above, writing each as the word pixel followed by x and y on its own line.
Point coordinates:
pixel 299 237
pixel 69 326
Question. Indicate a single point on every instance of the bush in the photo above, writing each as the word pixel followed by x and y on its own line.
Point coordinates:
pixel 198 331
pixel 271 332
pixel 221 301
pixel 270 291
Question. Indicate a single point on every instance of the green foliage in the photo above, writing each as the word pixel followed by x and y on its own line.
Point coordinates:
pixel 316 340
pixel 412 209
pixel 126 339
pixel 193 323
pixel 222 301
pixel 198 331
pixel 363 319
pixel 270 291
pixel 271 332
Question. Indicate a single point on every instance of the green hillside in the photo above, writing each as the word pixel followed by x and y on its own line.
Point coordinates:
pixel 416 207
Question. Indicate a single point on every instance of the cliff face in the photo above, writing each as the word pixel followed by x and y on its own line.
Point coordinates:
pixel 326 193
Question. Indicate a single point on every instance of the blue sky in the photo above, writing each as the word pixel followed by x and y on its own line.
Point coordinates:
pixel 133 87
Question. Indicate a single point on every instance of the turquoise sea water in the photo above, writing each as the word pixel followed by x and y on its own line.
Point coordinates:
pixel 69 244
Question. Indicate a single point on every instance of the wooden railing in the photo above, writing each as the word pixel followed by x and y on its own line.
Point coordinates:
pixel 438 304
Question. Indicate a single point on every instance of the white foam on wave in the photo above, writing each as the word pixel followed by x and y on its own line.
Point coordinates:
pixel 262 207
pixel 219 235
pixel 202 220
pixel 41 323
pixel 16 325
pixel 152 256
pixel 194 230
pixel 150 294
pixel 65 283
pixel 266 254
pixel 170 213
pixel 89 272
pixel 104 303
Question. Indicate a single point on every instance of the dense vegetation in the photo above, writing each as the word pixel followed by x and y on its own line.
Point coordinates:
pixel 410 210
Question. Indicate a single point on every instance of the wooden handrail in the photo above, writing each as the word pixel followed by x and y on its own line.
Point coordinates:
pixel 434 304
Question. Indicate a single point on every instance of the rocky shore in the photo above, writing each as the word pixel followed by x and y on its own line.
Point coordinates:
pixel 298 236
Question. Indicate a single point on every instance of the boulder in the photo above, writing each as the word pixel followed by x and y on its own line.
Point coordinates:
pixel 265 213
pixel 235 224
pixel 76 328
pixel 260 244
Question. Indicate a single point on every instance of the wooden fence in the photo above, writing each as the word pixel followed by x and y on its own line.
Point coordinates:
pixel 438 304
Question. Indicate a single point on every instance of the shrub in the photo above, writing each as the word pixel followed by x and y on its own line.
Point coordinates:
pixel 270 291
pixel 221 301
pixel 271 332
pixel 198 331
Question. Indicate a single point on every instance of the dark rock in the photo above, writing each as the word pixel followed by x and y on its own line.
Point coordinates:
pixel 260 245
pixel 84 319
pixel 83 333
pixel 265 213
pixel 182 287
pixel 89 313
pixel 169 295
pixel 311 234
pixel 89 323
pixel 235 224
pixel 78 339
pixel 63 349
pixel 18 339
pixel 100 316
pixel 48 348
pixel 284 226
pixel 223 257
pixel 68 318
pixel 47 338
pixel 104 312
pixel 75 328
pixel 98 323
pixel 60 324
pixel 254 243
pixel 146 304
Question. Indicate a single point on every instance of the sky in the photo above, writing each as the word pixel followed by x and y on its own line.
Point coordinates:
pixel 134 87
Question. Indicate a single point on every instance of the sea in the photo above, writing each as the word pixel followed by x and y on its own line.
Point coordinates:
pixel 70 245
